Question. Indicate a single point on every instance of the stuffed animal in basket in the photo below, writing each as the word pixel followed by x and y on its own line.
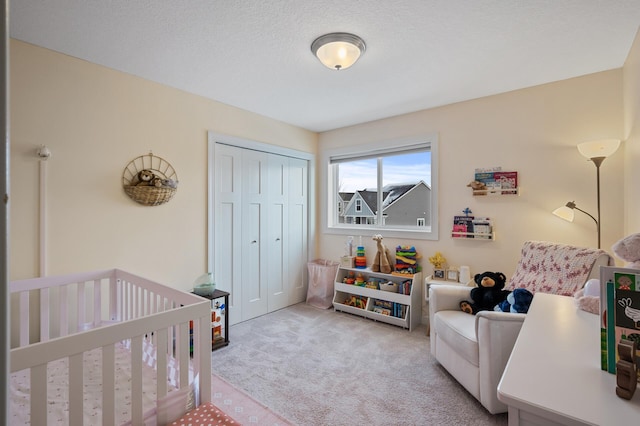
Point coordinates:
pixel 145 178
pixel 383 261
pixel 488 293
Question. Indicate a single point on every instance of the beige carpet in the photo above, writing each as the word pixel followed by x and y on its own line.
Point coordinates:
pixel 319 367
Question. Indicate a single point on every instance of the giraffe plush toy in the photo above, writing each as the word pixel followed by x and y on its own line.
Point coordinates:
pixel 383 261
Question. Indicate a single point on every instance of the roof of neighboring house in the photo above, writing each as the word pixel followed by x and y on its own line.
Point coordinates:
pixel 395 192
pixel 346 196
pixel 398 191
pixel 371 198
pixel 391 193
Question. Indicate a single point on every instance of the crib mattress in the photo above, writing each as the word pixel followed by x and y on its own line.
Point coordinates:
pixel 57 390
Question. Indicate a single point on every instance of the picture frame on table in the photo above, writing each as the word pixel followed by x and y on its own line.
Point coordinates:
pixel 439 274
pixel 453 275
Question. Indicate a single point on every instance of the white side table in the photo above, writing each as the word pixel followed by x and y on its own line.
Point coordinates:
pixel 429 281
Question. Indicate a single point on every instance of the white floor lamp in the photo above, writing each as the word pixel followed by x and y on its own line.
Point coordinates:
pixel 595 151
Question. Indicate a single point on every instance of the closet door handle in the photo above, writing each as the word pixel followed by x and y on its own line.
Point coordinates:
pixel 277 239
pixel 253 242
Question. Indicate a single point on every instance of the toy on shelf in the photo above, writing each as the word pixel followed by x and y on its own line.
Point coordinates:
pixel 372 284
pixel 406 261
pixel 348 260
pixel 361 259
pixel 383 261
pixel 438 261
pixel 350 278
pixel 356 301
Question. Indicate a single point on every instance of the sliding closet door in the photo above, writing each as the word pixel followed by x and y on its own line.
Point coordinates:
pixel 254 233
pixel 277 239
pixel 260 237
pixel 227 261
pixel 298 229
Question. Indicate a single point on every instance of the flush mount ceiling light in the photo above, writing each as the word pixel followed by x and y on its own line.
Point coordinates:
pixel 338 51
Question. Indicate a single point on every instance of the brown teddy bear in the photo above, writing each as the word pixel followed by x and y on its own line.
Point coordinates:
pixel 145 178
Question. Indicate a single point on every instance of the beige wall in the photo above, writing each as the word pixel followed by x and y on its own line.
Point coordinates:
pixel 631 93
pixel 532 131
pixel 95 120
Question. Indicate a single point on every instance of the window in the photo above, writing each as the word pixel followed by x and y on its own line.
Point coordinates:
pixel 389 188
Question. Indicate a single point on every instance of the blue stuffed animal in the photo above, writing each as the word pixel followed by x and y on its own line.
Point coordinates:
pixel 518 301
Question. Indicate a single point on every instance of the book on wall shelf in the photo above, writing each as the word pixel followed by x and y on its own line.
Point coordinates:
pixel 472 227
pixel 496 181
pixel 462 226
pixel 482 228
pixel 619 312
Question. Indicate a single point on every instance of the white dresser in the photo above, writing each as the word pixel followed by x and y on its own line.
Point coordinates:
pixel 553 376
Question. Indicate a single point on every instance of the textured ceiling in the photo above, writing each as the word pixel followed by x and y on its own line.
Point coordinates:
pixel 255 54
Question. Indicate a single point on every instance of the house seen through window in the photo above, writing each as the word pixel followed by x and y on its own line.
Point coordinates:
pixel 389 189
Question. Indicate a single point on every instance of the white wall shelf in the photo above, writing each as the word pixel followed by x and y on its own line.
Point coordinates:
pixel 480 236
pixel 509 191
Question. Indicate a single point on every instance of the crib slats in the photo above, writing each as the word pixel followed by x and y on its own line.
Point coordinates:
pixel 204 361
pixel 108 385
pixel 97 303
pixel 80 308
pixel 44 315
pixel 130 301
pixel 162 352
pixel 136 380
pixel 64 311
pixel 39 395
pixel 24 318
pixel 76 389
pixel 184 355
pixel 114 300
pixel 70 307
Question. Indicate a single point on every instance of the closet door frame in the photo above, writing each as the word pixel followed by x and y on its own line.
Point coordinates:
pixel 212 139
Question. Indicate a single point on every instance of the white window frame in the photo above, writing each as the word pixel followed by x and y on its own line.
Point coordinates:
pixel 386 146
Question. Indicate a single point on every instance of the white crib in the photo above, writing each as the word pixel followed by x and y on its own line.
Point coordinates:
pixel 166 331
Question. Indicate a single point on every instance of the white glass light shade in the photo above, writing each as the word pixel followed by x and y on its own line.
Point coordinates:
pixel 599 149
pixel 565 213
pixel 338 51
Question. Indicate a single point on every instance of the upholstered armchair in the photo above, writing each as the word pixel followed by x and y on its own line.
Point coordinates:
pixel 474 349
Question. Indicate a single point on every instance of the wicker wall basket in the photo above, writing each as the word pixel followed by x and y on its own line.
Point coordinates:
pixel 150 180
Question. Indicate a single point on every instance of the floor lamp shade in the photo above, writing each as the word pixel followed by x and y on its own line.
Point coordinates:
pixel 565 213
pixel 599 149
